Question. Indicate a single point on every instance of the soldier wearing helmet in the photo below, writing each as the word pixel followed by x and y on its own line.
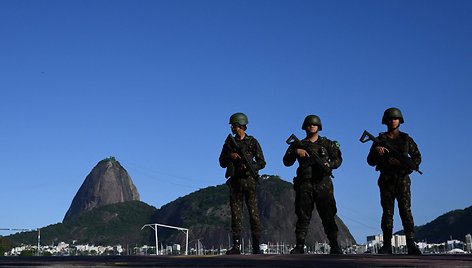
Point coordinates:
pixel 394 180
pixel 241 183
pixel 312 185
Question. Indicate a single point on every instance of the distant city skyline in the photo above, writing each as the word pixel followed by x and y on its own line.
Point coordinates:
pixel 372 244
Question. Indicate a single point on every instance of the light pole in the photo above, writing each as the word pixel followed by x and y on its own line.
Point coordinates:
pixel 39 239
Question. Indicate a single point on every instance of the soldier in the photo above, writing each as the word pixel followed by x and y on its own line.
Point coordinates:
pixel 394 182
pixel 313 184
pixel 241 183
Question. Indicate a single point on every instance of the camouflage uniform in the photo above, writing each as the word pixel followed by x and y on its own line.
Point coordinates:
pixel 242 184
pixel 312 186
pixel 394 183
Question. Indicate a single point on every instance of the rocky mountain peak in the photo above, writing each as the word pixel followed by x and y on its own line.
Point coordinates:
pixel 107 183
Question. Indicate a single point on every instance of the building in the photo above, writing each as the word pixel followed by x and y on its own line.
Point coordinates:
pixel 454 244
pixel 375 242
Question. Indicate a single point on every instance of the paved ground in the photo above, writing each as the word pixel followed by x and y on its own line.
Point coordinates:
pixel 272 261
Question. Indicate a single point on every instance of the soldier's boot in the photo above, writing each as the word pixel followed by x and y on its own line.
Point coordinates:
pixel 235 249
pixel 333 243
pixel 256 249
pixel 386 249
pixel 334 247
pixel 387 244
pixel 299 248
pixel 411 247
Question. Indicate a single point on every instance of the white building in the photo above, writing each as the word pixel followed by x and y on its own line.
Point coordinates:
pixel 399 241
pixel 375 242
pixel 468 243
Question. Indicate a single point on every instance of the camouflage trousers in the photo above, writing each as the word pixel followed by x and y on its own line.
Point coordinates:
pixel 396 186
pixel 240 190
pixel 307 194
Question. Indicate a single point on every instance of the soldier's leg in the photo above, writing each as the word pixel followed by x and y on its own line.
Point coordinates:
pixel 236 205
pixel 304 205
pixel 326 206
pixel 250 194
pixel 387 200
pixel 404 206
pixel 403 195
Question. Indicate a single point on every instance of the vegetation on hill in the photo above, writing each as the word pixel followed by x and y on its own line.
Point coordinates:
pixel 205 213
pixel 454 224
pixel 5 245
pixel 108 225
pixel 208 214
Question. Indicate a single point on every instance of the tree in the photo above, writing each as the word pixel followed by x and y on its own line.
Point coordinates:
pixel 5 245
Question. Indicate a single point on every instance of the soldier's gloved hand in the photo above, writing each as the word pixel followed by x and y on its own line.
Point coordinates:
pixel 302 153
pixel 381 150
pixel 234 156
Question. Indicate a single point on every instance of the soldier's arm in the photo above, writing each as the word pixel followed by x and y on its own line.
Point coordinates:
pixel 290 156
pixel 225 157
pixel 335 155
pixel 373 157
pixel 414 152
pixel 259 157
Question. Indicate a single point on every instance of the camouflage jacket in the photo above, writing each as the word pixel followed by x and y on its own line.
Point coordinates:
pixel 404 144
pixel 328 151
pixel 235 167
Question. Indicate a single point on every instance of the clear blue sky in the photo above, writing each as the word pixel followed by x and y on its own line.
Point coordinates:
pixel 153 83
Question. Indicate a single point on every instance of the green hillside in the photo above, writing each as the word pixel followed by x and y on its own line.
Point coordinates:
pixel 454 224
pixel 205 213
pixel 208 214
pixel 108 225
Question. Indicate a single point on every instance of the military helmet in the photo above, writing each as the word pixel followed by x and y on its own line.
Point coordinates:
pixel 238 118
pixel 392 113
pixel 312 120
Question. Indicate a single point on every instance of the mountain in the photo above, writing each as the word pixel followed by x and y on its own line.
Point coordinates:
pixel 455 224
pixel 107 183
pixel 106 225
pixel 207 212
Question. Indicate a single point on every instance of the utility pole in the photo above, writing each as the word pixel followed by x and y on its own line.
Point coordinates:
pixel 39 240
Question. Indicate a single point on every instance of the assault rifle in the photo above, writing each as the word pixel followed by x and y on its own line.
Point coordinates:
pixel 314 157
pixel 242 153
pixel 404 159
